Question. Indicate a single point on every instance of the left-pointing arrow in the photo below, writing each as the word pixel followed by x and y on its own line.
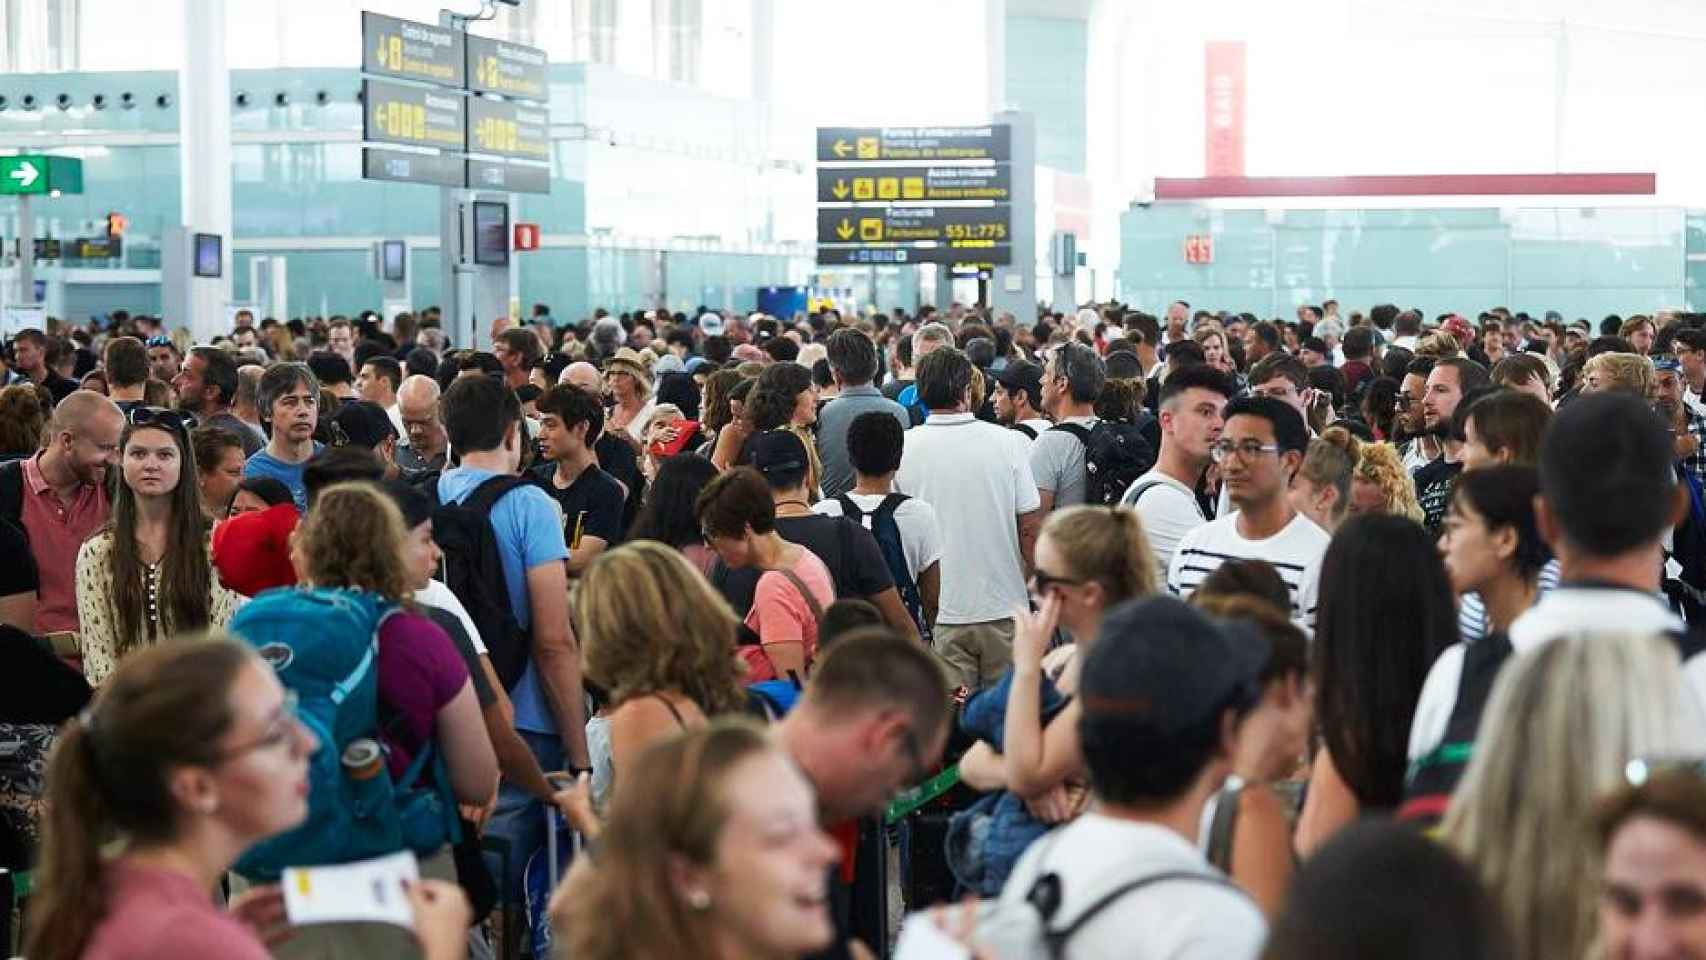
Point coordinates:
pixel 25 173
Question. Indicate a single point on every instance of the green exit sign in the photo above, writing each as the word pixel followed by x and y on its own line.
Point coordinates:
pixel 37 173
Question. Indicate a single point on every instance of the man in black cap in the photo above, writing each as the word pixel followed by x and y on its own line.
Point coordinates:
pixel 1018 398
pixel 850 551
pixel 367 425
pixel 1162 693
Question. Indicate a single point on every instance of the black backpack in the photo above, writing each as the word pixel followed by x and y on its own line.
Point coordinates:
pixel 1115 455
pixel 887 533
pixel 473 570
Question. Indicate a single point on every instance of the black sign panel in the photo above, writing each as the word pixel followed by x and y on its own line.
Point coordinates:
pixel 862 144
pixel 507 68
pixel 508 177
pixel 913 184
pixel 378 163
pixel 413 51
pixel 47 248
pixel 505 129
pixel 96 248
pixel 414 116
pixel 981 259
pixel 954 226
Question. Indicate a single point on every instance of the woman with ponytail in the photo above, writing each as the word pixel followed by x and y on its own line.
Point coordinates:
pixel 190 754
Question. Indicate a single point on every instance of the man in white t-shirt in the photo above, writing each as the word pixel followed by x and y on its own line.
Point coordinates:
pixel 1072 381
pixel 1162 693
pixel 874 442
pixel 978 478
pixel 1190 413
pixel 1259 450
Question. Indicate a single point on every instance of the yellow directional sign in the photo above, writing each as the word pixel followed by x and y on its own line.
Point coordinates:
pixel 841 148
pixel 496 66
pixel 411 51
pixel 839 190
pixel 844 229
pixel 932 144
pixel 894 183
pixel 864 188
pixel 417 116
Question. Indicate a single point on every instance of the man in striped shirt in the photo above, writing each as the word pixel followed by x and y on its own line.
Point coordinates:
pixel 1260 448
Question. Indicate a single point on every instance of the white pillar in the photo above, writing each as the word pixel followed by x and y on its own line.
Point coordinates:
pixel 204 159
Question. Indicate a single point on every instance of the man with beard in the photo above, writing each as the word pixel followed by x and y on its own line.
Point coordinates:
pixel 1418 447
pixel 207 387
pixel 1018 398
pixel 1450 379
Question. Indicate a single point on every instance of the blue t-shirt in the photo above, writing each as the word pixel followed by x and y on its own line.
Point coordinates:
pixel 529 533
pixel 264 464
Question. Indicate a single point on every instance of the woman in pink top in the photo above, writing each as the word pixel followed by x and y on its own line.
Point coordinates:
pixel 191 753
pixel 739 518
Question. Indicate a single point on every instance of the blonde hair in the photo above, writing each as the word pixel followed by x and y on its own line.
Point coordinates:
pixel 1107 545
pixel 1440 346
pixel 649 622
pixel 1379 464
pixel 1329 462
pixel 1562 723
pixel 979 389
pixel 1622 372
pixel 353 538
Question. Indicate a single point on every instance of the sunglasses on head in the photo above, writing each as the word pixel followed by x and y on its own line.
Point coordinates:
pixel 160 416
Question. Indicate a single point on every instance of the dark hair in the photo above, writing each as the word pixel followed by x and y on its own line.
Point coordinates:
pixel 387 367
pixel 1279 365
pixel 339 465
pixel 874 442
pixel 1268 333
pixel 735 500
pixel 844 617
pixel 271 490
pixel 1358 343
pixel 1184 353
pixel 717 349
pixel 875 668
pixel 1469 373
pixel 185 576
pixel 1382 315
pixel 1200 377
pixel 1256 579
pixel 1379 889
pixel 280 379
pixel 1288 645
pixel 1386 611
pixel 1520 368
pixel 108 776
pixel 1290 432
pixel 1609 344
pixel 126 362
pixel 1395 363
pixel 210 443
pixel 788 379
pixel 943 377
pixel 420 362
pixel 218 369
pixel 852 356
pixel 1081 368
pixel 573 406
pixel 330 368
pixel 1504 497
pixel 1511 420
pixel 521 340
pixel 1625 499
pixel 716 413
pixel 782 349
pixel 669 514
pixel 478 413
pixel 1146 326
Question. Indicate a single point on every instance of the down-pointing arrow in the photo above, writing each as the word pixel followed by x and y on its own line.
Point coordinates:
pixel 25 173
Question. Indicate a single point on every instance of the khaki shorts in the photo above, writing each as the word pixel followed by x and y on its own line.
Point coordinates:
pixel 976 654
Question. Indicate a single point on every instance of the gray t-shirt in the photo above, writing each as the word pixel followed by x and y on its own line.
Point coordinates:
pixel 1057 461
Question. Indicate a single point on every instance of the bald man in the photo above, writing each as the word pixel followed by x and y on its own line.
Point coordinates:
pixel 429 445
pixel 583 375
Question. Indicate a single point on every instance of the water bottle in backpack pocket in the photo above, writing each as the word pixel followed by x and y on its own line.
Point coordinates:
pixel 324 646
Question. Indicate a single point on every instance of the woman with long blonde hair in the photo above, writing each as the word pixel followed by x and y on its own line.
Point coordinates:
pixel 1563 722
pixel 659 640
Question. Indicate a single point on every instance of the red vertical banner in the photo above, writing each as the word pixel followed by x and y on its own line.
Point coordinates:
pixel 1223 108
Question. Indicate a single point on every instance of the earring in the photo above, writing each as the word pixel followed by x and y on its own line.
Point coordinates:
pixel 699 900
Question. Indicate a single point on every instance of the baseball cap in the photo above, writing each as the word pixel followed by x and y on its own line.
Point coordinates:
pixel 1021 375
pixel 1665 362
pixel 668 363
pixel 1579 326
pixel 711 324
pixel 1163 666
pixel 1124 365
pixel 366 424
pixel 251 552
pixel 777 454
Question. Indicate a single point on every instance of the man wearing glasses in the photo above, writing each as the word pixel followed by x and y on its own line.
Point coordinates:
pixel 1260 448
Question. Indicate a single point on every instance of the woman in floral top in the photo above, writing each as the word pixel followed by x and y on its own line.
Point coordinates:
pixel 147 575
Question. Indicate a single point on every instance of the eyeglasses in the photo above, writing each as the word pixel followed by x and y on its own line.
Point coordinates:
pixel 1247 450
pixel 282 731
pixel 160 416
pixel 1043 582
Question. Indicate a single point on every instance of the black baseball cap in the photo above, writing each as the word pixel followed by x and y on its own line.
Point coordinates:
pixel 1163 666
pixel 779 455
pixel 366 424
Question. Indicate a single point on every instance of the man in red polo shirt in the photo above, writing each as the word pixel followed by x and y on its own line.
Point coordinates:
pixel 60 497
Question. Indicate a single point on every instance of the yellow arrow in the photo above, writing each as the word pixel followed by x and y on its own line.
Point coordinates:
pixel 840 190
pixel 844 230
pixel 382 57
pixel 841 148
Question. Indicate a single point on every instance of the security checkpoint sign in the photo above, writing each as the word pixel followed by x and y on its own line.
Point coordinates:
pixel 32 174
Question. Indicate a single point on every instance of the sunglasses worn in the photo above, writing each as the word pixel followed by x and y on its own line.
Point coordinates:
pixel 1047 581
pixel 160 416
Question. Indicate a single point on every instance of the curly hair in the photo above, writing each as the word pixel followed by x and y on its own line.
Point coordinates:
pixel 23 420
pixel 353 538
pixel 1379 464
pixel 649 622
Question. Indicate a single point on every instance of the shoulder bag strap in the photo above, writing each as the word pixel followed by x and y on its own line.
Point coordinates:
pixel 1223 828
pixel 810 598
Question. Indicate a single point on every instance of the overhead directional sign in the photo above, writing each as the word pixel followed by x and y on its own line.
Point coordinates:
pixel 507 68
pixel 913 184
pixel 411 51
pixel 861 144
pixel 970 227
pixel 507 129
pixel 1000 254
pixel 508 177
pixel 36 173
pixel 415 116
pixel 443 169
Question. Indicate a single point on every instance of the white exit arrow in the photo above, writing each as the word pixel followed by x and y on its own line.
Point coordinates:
pixel 25 174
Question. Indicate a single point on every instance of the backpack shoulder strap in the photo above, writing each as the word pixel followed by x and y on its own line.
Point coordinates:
pixel 1026 429
pixel 1056 940
pixel 1078 430
pixel 800 585
pixel 849 509
pixel 491 490
pixel 1223 828
pixel 890 504
pixel 1137 492
pixel 12 490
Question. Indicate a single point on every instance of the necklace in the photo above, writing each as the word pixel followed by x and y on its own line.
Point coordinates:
pixel 796 503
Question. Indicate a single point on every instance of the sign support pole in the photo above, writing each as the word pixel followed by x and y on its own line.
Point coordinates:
pixel 456 293
pixel 1014 286
pixel 26 251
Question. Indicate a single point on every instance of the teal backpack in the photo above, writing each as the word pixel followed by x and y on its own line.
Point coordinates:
pixel 324 645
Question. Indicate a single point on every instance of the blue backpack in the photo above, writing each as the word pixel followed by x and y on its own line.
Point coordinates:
pixel 887 534
pixel 324 645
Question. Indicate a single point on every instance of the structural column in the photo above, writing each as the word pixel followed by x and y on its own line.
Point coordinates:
pixel 204 166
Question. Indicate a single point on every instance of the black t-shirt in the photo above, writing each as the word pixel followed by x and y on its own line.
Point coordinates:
pixel 592 504
pixel 620 461
pixel 15 577
pixel 35 685
pixel 60 387
pixel 893 388
pixel 854 560
pixel 1433 491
